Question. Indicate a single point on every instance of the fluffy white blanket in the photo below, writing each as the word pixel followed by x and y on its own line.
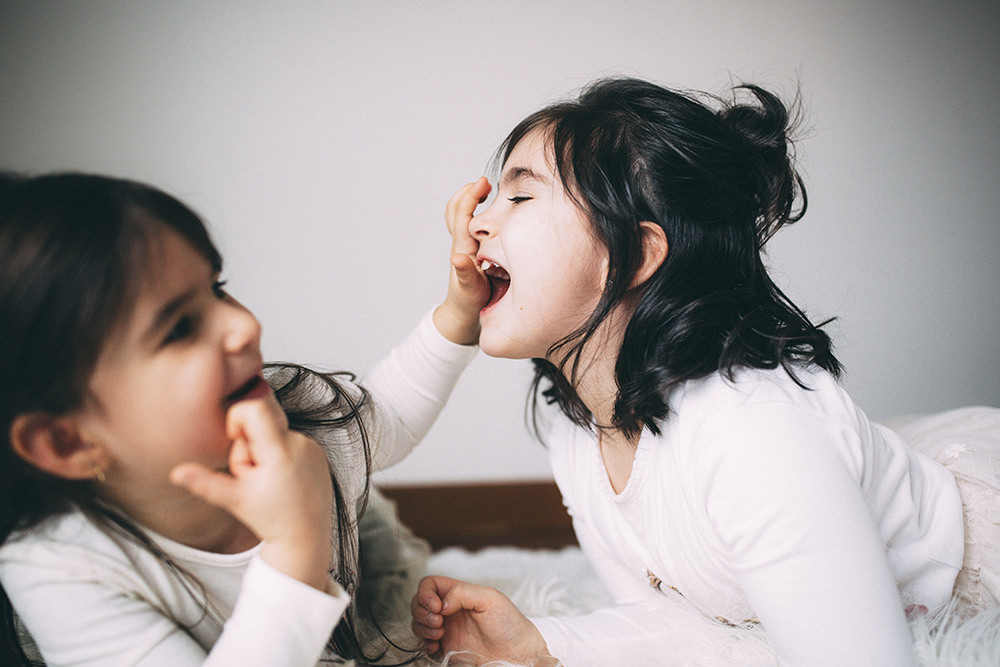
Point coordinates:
pixel 562 582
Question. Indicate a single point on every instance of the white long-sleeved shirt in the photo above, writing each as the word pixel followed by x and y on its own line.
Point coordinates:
pixel 760 500
pixel 93 599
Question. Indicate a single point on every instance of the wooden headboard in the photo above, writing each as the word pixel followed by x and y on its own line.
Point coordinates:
pixel 473 516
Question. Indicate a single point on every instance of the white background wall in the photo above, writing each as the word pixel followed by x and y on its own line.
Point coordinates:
pixel 321 141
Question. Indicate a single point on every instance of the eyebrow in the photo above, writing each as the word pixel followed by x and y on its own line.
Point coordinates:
pixel 517 173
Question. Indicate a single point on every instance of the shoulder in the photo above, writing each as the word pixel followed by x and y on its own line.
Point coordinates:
pixel 811 388
pixel 66 547
pixel 72 529
pixel 563 438
pixel 761 427
pixel 573 457
pixel 764 461
pixel 754 402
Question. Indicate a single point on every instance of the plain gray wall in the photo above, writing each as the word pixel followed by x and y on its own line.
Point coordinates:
pixel 321 141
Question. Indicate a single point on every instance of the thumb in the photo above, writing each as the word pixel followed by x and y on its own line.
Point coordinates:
pixel 468 274
pixel 216 488
pixel 465 266
pixel 462 597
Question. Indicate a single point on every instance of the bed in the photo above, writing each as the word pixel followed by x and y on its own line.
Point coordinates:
pixel 518 538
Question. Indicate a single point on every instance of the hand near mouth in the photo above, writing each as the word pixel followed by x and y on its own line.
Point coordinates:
pixel 457 318
pixel 278 485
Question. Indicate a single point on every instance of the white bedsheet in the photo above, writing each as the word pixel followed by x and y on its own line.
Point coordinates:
pixel 544 582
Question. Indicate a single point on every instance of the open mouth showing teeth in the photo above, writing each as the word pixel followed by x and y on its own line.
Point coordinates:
pixel 499 281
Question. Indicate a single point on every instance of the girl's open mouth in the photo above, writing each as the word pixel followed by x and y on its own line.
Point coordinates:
pixel 499 281
pixel 252 388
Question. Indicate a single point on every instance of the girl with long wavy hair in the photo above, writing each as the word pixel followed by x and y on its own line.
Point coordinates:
pixel 703 446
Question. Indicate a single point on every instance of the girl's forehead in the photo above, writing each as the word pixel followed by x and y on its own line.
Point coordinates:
pixel 530 159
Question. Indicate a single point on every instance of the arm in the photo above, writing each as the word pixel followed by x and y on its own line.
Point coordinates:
pixel 782 497
pixel 90 598
pixel 412 384
pixel 482 623
pixel 92 608
pixel 788 506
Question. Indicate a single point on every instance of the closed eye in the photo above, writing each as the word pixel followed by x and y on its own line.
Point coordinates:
pixel 518 199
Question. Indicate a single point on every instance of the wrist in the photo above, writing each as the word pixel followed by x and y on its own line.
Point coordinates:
pixel 456 325
pixel 309 563
pixel 540 651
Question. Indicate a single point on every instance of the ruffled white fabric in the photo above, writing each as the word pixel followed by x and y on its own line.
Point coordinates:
pixel 966 441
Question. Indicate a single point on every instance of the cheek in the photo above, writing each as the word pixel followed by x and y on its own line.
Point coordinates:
pixel 196 378
pixel 194 394
pixel 585 274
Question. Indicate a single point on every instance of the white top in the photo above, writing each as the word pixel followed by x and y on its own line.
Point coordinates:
pixel 92 599
pixel 760 500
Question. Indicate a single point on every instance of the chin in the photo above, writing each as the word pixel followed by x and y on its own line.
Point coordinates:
pixel 500 347
pixel 496 351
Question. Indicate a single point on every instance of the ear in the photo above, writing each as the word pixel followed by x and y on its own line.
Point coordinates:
pixel 53 445
pixel 654 251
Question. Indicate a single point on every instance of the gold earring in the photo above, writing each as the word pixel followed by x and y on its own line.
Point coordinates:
pixel 99 474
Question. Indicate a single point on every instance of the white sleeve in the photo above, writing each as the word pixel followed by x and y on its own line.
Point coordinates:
pixel 83 612
pixel 278 620
pixel 784 496
pixel 409 388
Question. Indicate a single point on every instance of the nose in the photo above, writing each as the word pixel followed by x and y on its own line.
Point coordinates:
pixel 242 329
pixel 484 225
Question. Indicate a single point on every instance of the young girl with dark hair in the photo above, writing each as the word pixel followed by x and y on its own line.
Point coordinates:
pixel 161 505
pixel 702 444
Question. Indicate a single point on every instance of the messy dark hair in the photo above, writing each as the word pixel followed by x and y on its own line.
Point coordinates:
pixel 719 178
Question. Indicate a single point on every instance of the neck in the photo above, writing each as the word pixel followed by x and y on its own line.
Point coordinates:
pixel 187 520
pixel 597 386
pixel 596 383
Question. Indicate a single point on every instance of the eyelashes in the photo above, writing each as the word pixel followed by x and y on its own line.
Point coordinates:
pixel 518 199
pixel 219 288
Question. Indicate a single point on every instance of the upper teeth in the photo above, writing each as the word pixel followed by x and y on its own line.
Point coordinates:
pixel 486 265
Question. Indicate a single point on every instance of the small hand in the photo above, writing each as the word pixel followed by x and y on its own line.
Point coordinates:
pixel 278 484
pixel 482 622
pixel 457 318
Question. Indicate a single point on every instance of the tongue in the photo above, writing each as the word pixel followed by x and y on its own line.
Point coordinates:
pixel 498 287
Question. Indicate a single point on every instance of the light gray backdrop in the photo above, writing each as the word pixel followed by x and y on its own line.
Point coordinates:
pixel 321 141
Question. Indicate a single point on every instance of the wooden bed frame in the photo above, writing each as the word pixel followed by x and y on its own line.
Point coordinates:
pixel 521 514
